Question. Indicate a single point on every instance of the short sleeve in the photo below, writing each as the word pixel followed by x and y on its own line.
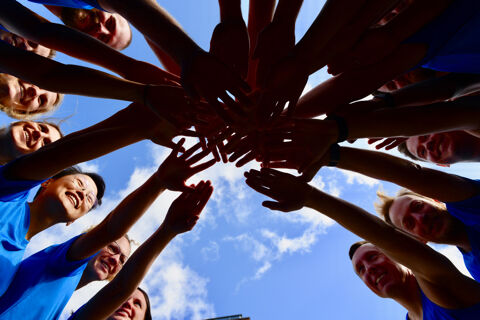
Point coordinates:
pixel 467 211
pixel 14 189
pixel 79 4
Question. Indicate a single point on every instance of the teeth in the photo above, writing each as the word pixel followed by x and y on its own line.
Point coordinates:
pixel 28 138
pixel 379 278
pixel 75 201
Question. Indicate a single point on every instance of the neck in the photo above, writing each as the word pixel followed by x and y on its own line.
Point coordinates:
pixel 86 279
pixel 5 145
pixel 39 221
pixel 410 297
pixel 471 149
pixel 458 236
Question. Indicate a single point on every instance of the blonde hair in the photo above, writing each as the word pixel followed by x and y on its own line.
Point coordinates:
pixel 385 202
pixel 22 115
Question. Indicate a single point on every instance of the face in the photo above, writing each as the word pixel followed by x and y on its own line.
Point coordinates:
pixel 420 218
pixel 24 44
pixel 110 259
pixel 29 136
pixel 25 97
pixel 383 276
pixel 132 309
pixel 111 29
pixel 441 148
pixel 71 196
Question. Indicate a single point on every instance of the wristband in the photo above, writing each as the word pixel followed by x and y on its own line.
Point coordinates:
pixel 145 94
pixel 334 155
pixel 387 97
pixel 342 127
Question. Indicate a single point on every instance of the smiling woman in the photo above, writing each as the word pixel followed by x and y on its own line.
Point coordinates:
pixel 23 100
pixel 24 137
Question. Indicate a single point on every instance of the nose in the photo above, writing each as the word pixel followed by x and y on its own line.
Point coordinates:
pixel 31 91
pixel 114 260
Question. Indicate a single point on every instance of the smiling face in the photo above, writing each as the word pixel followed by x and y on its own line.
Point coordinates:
pixel 441 148
pixel 421 218
pixel 133 309
pixel 25 98
pixel 383 276
pixel 110 260
pixel 111 29
pixel 29 136
pixel 69 197
pixel 24 44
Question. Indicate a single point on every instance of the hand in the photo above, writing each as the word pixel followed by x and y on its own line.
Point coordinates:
pixel 174 105
pixel 144 72
pixel 297 143
pixel 231 45
pixel 185 210
pixel 388 143
pixel 284 84
pixel 274 42
pixel 205 76
pixel 290 192
pixel 176 170
pixel 373 47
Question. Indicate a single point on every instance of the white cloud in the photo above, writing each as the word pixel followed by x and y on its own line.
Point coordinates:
pixel 211 252
pixel 89 167
pixel 354 177
pixel 455 256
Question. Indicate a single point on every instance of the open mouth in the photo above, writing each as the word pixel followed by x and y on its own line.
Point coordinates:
pixel 28 138
pixel 124 313
pixel 379 278
pixel 73 199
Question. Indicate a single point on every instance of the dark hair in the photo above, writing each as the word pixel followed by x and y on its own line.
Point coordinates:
pixel 97 179
pixel 402 148
pixel 355 246
pixel 148 313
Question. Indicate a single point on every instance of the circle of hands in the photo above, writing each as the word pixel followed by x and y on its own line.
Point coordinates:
pixel 240 122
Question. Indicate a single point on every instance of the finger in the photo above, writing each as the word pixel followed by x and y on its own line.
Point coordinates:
pixel 258 186
pixel 232 105
pixel 198 156
pixel 212 147
pixel 273 205
pixel 178 147
pixel 190 133
pixel 373 140
pixel 291 107
pixel 383 144
pixel 244 149
pixel 223 153
pixel 219 110
pixel 241 97
pixel 279 165
pixel 190 151
pixel 246 159
pixel 203 166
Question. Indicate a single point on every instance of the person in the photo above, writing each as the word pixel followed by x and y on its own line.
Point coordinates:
pixel 22 43
pixel 22 100
pixel 58 270
pixel 24 137
pixel 111 29
pixel 57 77
pixel 35 29
pixel 394 265
pixel 121 296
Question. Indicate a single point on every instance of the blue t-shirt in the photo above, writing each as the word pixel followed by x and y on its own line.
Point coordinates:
pixel 452 39
pixel 431 311
pixel 468 212
pixel 43 284
pixel 80 4
pixel 14 223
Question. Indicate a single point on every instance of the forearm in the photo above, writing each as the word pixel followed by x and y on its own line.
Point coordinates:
pixel 168 63
pixel 259 16
pixel 124 216
pixel 57 77
pixel 396 244
pixel 287 11
pixel 230 10
pixel 462 114
pixel 148 17
pixel 428 182
pixel 114 294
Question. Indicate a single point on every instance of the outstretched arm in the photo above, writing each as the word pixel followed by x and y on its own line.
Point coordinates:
pixel 172 174
pixel 435 184
pixel 433 270
pixel 25 23
pixel 181 217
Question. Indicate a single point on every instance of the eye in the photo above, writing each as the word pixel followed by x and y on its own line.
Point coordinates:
pixel 46 141
pixel 42 100
pixel 372 257
pixel 138 303
pixel 421 152
pixel 43 128
pixel 110 24
pixel 360 269
pixel 408 223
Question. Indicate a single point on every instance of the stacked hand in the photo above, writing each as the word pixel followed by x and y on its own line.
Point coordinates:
pixel 290 192
pixel 176 170
pixel 185 210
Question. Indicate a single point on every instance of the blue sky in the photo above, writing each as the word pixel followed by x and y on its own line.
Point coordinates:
pixel 241 257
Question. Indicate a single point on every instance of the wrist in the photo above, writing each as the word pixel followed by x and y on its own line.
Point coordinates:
pixel 342 128
pixel 167 231
pixel 310 197
pixel 334 155
pixel 386 98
